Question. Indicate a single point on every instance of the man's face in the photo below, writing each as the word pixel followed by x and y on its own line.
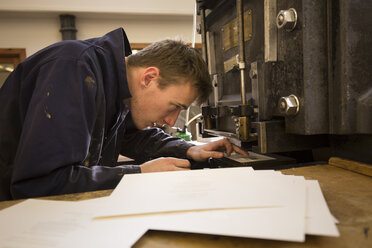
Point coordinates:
pixel 155 106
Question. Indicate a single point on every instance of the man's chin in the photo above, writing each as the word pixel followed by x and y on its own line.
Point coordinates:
pixel 139 126
pixel 143 125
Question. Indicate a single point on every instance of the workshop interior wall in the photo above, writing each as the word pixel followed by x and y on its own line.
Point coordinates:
pixel 35 24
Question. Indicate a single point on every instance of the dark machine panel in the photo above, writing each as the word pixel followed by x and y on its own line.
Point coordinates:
pixel 350 84
pixel 290 75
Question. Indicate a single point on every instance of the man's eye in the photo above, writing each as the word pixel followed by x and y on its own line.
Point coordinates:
pixel 174 107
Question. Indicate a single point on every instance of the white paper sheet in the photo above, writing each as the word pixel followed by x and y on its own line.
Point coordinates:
pixel 319 220
pixel 45 223
pixel 281 223
pixel 277 202
pixel 37 223
pixel 197 190
pixel 41 223
pixel 264 223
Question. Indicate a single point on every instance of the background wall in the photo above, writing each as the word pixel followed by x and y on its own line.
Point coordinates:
pixel 34 24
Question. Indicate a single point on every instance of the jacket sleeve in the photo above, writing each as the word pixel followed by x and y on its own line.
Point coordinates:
pixel 56 134
pixel 151 143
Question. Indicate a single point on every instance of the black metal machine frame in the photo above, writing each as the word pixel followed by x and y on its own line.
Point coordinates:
pixel 290 75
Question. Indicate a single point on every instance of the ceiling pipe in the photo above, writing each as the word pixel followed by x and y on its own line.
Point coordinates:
pixel 68 28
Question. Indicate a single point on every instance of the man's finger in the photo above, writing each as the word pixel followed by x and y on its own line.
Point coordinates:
pixel 221 145
pixel 228 146
pixel 212 155
pixel 237 149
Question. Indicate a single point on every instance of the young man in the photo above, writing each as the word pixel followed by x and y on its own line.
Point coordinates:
pixel 69 110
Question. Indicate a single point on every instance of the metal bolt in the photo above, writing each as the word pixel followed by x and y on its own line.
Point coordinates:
pixel 281 19
pixel 198 29
pixel 253 73
pixel 287 19
pixel 283 105
pixel 289 105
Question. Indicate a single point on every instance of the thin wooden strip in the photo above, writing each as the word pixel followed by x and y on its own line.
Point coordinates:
pixel 358 167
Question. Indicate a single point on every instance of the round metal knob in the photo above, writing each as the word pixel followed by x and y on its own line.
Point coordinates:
pixel 289 105
pixel 287 19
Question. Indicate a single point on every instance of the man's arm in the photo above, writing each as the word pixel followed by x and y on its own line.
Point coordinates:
pixel 71 179
pixel 151 143
pixel 146 145
pixel 57 132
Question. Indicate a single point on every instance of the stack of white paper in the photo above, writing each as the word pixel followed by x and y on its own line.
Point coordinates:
pixel 234 201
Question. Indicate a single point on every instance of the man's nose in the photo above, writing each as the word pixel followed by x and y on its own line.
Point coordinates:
pixel 171 119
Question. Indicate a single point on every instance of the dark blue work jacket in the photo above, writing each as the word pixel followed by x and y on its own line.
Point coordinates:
pixel 63 121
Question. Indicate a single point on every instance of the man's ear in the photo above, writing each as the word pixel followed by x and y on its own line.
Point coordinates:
pixel 149 75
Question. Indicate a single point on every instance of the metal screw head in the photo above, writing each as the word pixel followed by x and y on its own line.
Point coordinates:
pixel 198 28
pixel 283 105
pixel 253 73
pixel 289 105
pixel 280 19
pixel 287 19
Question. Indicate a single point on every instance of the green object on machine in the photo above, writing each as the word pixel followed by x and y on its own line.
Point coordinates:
pixel 184 136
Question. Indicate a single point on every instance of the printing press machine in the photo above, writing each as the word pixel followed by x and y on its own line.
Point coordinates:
pixel 289 76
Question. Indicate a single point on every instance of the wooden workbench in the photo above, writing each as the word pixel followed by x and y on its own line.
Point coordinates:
pixel 348 194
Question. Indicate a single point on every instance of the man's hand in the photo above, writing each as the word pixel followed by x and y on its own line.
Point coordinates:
pixel 165 164
pixel 213 150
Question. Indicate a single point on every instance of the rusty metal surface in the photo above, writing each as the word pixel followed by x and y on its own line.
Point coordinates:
pixel 229 31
